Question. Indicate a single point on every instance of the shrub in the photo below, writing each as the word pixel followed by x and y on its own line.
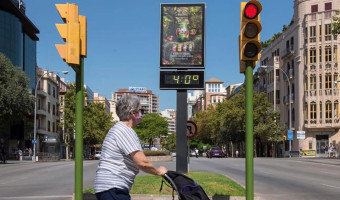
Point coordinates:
pixel 156 153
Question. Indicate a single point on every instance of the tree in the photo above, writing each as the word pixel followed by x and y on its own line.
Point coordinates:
pixel 169 142
pixel 336 23
pixel 96 123
pixel 16 100
pixel 152 126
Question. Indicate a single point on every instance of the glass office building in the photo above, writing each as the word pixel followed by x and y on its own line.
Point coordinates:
pixel 18 37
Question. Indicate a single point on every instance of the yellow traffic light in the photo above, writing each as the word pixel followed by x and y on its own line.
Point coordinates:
pixel 284 137
pixel 83 35
pixel 70 32
pixel 249 40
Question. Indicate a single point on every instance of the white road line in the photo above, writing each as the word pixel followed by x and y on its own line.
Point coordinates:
pixel 331 186
pixel 38 197
pixel 326 172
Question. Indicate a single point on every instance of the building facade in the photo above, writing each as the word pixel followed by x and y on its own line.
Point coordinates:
pixel 302 70
pixel 103 100
pixel 148 100
pixel 170 116
pixel 18 37
pixel 48 116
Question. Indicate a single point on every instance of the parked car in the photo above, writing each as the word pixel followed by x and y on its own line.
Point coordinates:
pixel 215 152
pixel 97 155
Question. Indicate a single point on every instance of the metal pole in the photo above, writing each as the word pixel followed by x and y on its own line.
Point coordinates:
pixel 181 131
pixel 78 189
pixel 249 132
pixel 290 108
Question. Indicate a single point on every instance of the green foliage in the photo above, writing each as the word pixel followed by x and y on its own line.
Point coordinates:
pixel 16 100
pixel 226 122
pixel 96 123
pixel 336 23
pixel 156 153
pixel 169 142
pixel 152 126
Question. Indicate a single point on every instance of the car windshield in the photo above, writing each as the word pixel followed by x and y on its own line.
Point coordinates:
pixel 215 148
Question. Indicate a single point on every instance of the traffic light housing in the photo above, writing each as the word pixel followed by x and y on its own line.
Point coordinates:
pixel 70 32
pixel 284 137
pixel 249 39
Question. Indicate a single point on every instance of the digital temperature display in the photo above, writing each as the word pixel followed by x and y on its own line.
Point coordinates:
pixel 181 80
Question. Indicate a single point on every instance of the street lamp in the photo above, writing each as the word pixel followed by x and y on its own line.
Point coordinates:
pixel 35 112
pixel 290 105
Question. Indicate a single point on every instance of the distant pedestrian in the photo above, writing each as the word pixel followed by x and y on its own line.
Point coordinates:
pixel 122 155
pixel 196 152
pixel 236 153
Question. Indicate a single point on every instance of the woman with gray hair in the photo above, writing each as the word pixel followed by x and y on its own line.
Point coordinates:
pixel 122 155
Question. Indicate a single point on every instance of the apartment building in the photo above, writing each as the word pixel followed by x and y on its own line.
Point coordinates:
pixel 148 100
pixel 47 111
pixel 301 68
pixel 170 116
pixel 103 100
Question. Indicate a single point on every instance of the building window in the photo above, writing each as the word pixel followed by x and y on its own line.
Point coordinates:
pixel 328 32
pixel 328 6
pixel 291 43
pixel 277 96
pixel 49 107
pixel 313 110
pixel 53 111
pixel 310 145
pixel 336 109
pixel 320 82
pixel 305 111
pixel 320 110
pixel 48 126
pixel 328 110
pixel 306 83
pixel 312 56
pixel 320 55
pixel 49 89
pixel 62 100
pixel 312 83
pixel 328 81
pixel 54 92
pixel 314 8
pixel 53 127
pixel 312 31
pixel 328 54
pixel 335 53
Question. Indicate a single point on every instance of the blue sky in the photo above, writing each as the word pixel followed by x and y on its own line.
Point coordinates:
pixel 123 41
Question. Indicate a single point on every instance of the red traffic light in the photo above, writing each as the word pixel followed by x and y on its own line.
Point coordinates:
pixel 251 11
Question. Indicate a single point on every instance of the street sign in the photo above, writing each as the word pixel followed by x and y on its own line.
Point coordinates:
pixel 191 129
pixel 34 141
pixel 301 135
pixel 290 135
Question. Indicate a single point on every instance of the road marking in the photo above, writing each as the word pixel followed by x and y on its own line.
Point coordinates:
pixel 326 172
pixel 331 186
pixel 38 197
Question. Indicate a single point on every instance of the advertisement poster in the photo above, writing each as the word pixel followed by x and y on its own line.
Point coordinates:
pixel 182 36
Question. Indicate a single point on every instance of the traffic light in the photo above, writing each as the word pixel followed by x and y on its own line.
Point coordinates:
pixel 70 32
pixel 249 40
pixel 83 35
pixel 285 137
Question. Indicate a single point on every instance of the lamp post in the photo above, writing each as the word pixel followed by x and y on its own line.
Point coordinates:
pixel 290 105
pixel 35 112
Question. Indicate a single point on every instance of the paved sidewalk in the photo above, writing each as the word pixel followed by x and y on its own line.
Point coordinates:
pixel 167 197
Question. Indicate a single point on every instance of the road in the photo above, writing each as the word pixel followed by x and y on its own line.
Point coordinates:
pixel 274 179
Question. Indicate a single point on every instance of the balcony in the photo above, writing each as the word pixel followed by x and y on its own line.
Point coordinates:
pixel 42 130
pixel 320 123
pixel 41 111
pixel 288 53
pixel 286 99
pixel 41 92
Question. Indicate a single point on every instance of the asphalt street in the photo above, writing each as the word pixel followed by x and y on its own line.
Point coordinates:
pixel 274 179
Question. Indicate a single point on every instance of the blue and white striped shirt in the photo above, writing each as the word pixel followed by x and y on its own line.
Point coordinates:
pixel 116 168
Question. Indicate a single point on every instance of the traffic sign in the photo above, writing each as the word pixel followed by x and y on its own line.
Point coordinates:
pixel 191 129
pixel 290 135
pixel 34 141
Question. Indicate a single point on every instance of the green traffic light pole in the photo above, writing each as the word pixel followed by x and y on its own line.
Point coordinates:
pixel 249 132
pixel 78 178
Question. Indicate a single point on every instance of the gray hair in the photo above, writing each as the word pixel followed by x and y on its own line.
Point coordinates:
pixel 125 105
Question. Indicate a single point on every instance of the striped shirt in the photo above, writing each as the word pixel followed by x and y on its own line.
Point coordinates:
pixel 116 168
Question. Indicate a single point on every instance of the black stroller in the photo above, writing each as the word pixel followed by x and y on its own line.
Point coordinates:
pixel 185 187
